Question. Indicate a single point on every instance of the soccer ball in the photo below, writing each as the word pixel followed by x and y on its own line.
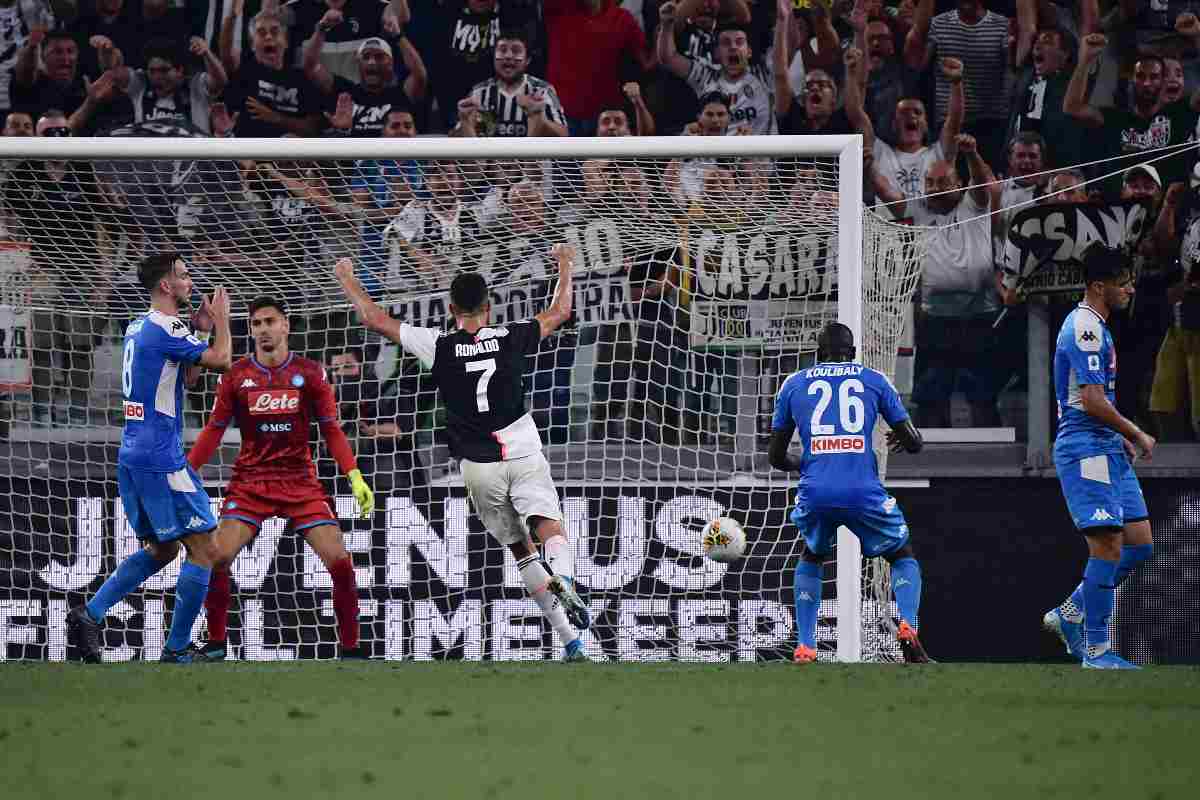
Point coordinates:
pixel 724 540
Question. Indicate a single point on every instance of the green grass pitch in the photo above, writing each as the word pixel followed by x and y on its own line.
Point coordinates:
pixel 547 730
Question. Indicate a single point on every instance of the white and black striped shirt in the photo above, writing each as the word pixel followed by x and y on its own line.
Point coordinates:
pixel 500 113
pixel 751 97
pixel 983 50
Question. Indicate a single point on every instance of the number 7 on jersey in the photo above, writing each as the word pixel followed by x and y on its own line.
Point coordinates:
pixel 487 366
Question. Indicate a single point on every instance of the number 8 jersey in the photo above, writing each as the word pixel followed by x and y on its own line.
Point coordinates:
pixel 834 407
pixel 157 348
pixel 481 376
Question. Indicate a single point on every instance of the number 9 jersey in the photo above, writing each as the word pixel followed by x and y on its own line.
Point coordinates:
pixel 834 407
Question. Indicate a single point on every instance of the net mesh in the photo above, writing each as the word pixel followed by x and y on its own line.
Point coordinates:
pixel 700 284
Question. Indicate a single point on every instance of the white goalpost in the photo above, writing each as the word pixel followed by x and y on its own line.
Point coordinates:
pixel 706 267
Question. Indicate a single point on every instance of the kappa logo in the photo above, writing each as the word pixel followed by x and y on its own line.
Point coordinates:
pixel 889 504
pixel 195 522
pixel 248 384
pixel 1087 336
pixel 177 326
pixel 806 597
pixel 901 582
pixel 1101 515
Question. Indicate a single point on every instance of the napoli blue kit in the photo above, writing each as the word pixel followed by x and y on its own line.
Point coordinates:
pixel 164 498
pixel 1097 478
pixel 834 406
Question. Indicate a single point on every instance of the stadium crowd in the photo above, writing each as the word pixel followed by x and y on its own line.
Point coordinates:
pixel 983 105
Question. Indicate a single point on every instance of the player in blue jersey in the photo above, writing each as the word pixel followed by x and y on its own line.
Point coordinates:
pixel 835 403
pixel 1093 455
pixel 164 498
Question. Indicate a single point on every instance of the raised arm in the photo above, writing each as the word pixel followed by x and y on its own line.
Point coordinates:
pixel 952 72
pixel 1075 101
pixel 373 316
pixel 313 68
pixel 229 58
pixel 916 43
pixel 668 55
pixel 544 113
pixel 984 189
pixel 784 96
pixel 25 69
pixel 828 42
pixel 559 310
pixel 417 82
pixel 217 77
pixel 1026 29
pixel 219 355
pixel 645 120
pixel 855 75
pixel 99 93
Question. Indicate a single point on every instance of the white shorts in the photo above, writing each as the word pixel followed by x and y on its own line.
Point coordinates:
pixel 507 493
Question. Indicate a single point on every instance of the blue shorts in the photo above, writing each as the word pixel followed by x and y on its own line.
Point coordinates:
pixel 880 530
pixel 165 506
pixel 1102 491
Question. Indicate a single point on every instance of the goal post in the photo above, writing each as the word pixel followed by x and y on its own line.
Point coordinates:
pixel 707 265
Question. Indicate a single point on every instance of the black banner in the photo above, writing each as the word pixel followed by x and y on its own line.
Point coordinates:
pixel 1045 241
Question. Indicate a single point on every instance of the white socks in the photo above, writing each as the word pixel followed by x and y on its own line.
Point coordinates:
pixel 536 580
pixel 560 555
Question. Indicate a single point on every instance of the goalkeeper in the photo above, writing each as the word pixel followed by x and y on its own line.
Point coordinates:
pixel 835 404
pixel 274 395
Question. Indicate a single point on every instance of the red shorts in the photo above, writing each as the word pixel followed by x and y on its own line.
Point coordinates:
pixel 302 502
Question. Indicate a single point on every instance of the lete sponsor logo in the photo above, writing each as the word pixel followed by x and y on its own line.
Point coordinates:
pixel 839 444
pixel 274 401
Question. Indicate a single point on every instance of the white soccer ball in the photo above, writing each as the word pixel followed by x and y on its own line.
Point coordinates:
pixel 724 540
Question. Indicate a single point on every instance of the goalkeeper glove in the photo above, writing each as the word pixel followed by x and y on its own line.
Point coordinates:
pixel 362 493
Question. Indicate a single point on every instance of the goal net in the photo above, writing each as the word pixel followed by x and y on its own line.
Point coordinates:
pixel 705 268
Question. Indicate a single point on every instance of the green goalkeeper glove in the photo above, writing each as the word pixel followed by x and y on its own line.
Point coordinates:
pixel 362 493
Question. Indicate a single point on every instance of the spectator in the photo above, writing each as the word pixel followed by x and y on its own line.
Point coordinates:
pixel 618 187
pixel 660 352
pixel 750 88
pixel 265 98
pixel 907 164
pixel 381 189
pixel 55 81
pixel 115 22
pixel 56 203
pixel 1176 387
pixel 342 26
pixel 592 43
pixel 18 123
pixel 297 210
pixel 1173 81
pixel 954 335
pixel 694 26
pixel 426 240
pixel 160 91
pixel 1067 186
pixel 1025 181
pixel 978 38
pixel 1148 125
pixel 376 91
pixel 723 188
pixel 889 79
pixel 1139 332
pixel 462 53
pixel 512 103
pixel 18 20
pixel 379 419
pixel 1039 105
pixel 818 110
pixel 1157 28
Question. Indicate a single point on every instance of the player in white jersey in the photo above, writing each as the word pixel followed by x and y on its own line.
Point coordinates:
pixel 479 370
pixel 164 498
pixel 749 87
